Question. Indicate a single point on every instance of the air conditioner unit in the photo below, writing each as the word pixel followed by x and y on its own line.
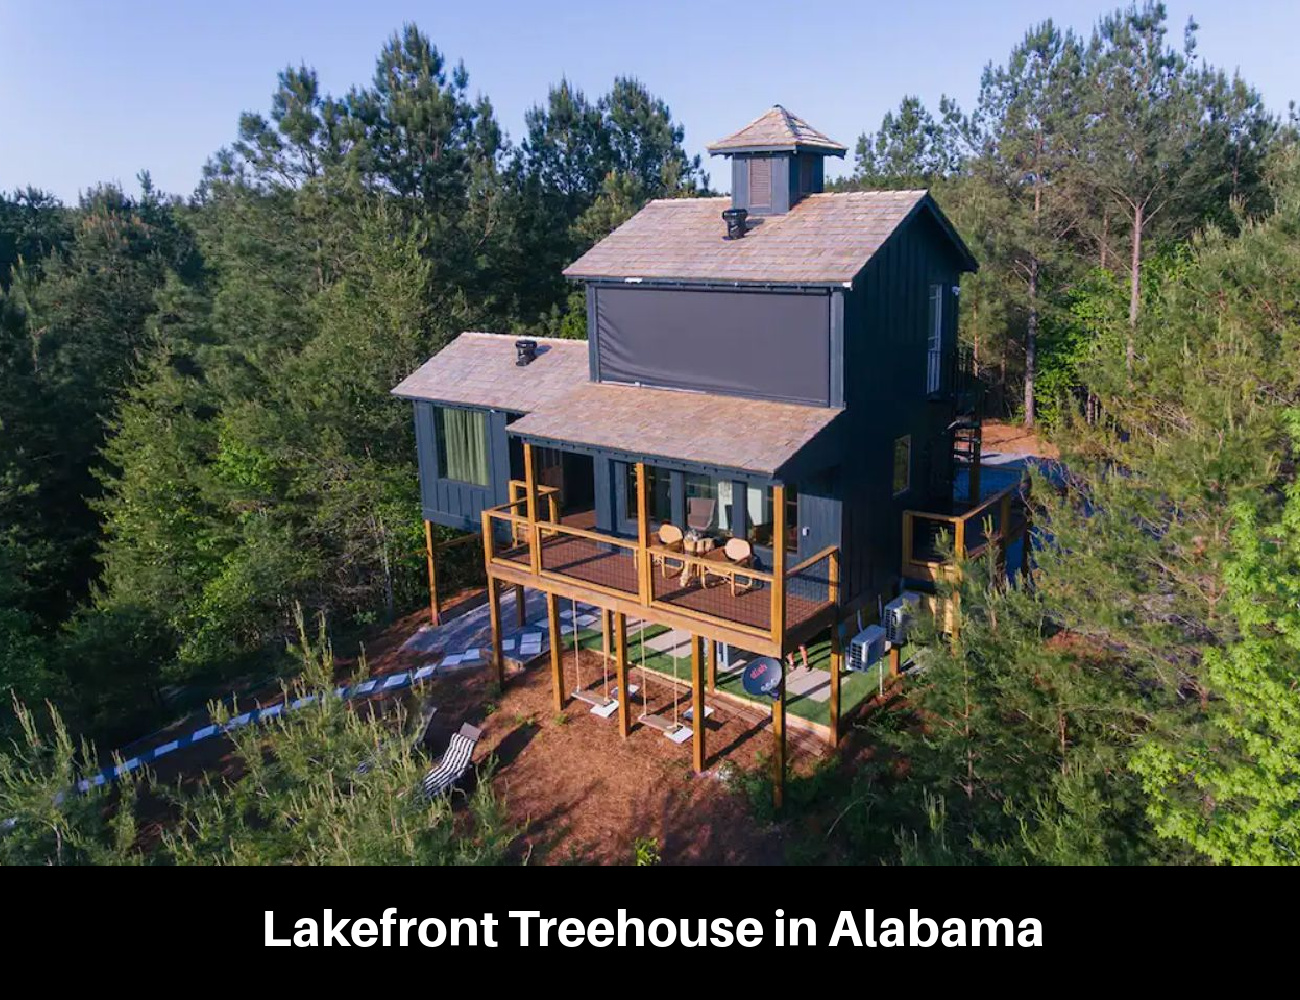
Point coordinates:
pixel 866 648
pixel 898 616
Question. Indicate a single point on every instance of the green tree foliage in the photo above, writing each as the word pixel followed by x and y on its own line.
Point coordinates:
pixel 330 785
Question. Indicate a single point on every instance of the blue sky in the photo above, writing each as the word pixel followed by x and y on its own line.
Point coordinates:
pixel 95 91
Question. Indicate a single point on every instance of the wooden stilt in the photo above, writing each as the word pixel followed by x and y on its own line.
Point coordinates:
pixel 494 613
pixel 895 661
pixel 837 668
pixel 620 673
pixel 435 611
pixel 697 702
pixel 778 748
pixel 521 613
pixel 711 662
pixel 837 648
pixel 557 676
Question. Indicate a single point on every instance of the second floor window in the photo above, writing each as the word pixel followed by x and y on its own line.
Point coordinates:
pixel 760 182
pixel 462 445
pixel 934 353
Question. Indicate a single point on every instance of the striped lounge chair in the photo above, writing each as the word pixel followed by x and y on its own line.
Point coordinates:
pixel 455 762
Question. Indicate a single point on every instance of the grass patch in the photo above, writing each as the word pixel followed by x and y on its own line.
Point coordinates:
pixel 854 687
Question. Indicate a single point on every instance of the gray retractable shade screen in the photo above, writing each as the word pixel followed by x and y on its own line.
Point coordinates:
pixel 767 344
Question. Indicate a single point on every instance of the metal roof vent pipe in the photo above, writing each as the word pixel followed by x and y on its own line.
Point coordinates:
pixel 735 220
pixel 525 352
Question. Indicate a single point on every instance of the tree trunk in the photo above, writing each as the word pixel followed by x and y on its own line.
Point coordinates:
pixel 1134 284
pixel 1031 344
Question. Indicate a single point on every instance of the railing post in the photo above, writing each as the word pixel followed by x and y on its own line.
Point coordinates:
pixel 643 536
pixel 778 569
pixel 530 490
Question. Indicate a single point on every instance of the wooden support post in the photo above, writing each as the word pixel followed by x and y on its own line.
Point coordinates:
pixel 895 661
pixel 620 673
pixel 778 748
pixel 557 675
pixel 644 583
pixel 711 663
pixel 778 569
pixel 837 649
pixel 837 668
pixel 975 482
pixel 697 702
pixel 521 613
pixel 494 613
pixel 435 612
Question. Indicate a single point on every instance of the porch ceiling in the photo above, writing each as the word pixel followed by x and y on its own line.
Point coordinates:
pixel 750 435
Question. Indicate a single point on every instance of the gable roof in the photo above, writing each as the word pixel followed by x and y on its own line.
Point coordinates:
pixel 678 425
pixel 825 239
pixel 777 129
pixel 478 369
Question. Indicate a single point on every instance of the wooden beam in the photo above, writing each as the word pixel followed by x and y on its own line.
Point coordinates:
pixel 895 661
pixel 753 640
pixel 697 703
pixel 557 676
pixel 643 536
pixel 530 499
pixel 778 746
pixel 494 613
pixel 778 569
pixel 837 649
pixel 620 674
pixel 711 663
pixel 435 604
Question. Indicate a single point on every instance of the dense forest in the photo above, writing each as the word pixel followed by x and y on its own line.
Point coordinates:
pixel 197 442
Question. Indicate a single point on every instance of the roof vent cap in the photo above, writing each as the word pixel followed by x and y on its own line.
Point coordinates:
pixel 735 220
pixel 525 352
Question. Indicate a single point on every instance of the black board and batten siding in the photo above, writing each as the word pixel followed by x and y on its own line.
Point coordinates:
pixel 886 329
pixel 447 501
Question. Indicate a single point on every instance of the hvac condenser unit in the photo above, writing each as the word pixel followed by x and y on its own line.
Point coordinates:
pixel 899 614
pixel 866 648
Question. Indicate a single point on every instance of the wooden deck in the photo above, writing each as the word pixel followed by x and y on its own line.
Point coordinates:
pixel 608 566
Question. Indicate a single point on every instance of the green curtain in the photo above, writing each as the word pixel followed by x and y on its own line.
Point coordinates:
pixel 464 446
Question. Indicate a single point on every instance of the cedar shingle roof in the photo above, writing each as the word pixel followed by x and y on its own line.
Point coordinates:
pixel 778 129
pixel 823 239
pixel 750 435
pixel 478 369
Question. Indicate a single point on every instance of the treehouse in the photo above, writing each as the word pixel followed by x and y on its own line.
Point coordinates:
pixel 768 415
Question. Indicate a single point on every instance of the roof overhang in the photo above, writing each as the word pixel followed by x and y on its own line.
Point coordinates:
pixel 754 437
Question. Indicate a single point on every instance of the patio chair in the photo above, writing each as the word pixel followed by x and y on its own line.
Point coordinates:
pixel 670 537
pixel 455 762
pixel 740 556
pixel 699 512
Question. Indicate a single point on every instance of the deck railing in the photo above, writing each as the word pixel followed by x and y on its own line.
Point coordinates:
pixel 928 537
pixel 744 601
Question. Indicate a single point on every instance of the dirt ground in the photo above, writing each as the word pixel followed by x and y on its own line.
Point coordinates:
pixel 1009 438
pixel 576 791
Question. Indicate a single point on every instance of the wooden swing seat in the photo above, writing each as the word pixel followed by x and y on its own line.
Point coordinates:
pixel 592 698
pixel 664 725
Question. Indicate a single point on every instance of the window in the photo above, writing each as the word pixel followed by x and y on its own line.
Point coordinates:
pixel 758 505
pixel 902 464
pixel 462 445
pixel 659 498
pixel 806 168
pixel 934 355
pixel 760 182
